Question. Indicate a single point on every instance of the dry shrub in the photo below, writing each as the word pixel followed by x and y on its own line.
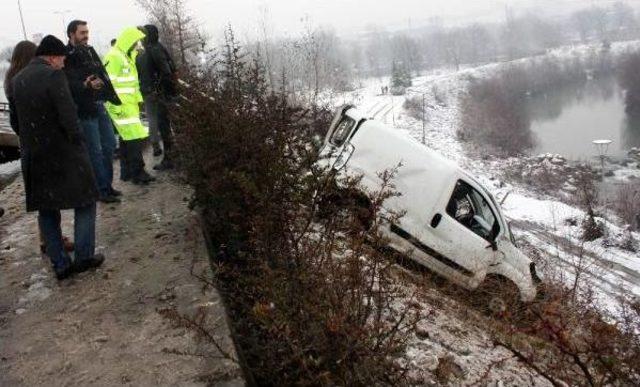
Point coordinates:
pixel 311 299
pixel 568 341
pixel 627 204
pixel 494 114
pixel 414 107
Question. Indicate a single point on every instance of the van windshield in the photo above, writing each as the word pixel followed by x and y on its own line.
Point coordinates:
pixel 344 128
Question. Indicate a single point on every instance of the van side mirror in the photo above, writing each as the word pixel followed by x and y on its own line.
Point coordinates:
pixel 495 229
pixel 493 245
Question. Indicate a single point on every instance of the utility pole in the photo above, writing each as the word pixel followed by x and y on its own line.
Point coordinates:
pixel 424 140
pixel 24 30
pixel 603 148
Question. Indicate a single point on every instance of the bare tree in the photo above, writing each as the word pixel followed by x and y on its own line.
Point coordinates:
pixel 178 29
pixel 265 30
pixel 5 54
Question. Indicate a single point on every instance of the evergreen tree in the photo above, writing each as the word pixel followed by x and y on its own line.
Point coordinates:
pixel 400 76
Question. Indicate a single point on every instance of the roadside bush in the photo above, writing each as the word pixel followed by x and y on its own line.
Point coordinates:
pixel 627 204
pixel 586 197
pixel 414 108
pixel 568 341
pixel 311 298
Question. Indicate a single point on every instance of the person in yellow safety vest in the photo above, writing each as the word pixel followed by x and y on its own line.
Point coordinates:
pixel 120 63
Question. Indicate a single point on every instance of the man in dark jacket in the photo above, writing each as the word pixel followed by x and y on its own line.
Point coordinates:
pixel 90 88
pixel 56 168
pixel 156 71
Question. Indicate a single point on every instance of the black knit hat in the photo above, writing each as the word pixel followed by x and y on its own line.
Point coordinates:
pixel 51 46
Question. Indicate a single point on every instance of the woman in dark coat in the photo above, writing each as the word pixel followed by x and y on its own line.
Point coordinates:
pixel 22 54
pixel 55 164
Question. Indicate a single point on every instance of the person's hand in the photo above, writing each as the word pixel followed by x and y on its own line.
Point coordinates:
pixel 93 82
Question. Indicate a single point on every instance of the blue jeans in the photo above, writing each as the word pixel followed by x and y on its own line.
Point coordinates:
pixel 101 142
pixel 84 235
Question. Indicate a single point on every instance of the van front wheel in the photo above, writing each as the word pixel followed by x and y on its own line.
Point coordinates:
pixel 499 297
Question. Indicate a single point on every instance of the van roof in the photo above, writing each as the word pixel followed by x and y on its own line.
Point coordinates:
pixel 424 172
pixel 396 144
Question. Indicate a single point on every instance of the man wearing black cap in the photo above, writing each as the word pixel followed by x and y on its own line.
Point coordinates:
pixel 90 88
pixel 56 168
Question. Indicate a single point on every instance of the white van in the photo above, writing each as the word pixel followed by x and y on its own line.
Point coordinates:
pixel 452 224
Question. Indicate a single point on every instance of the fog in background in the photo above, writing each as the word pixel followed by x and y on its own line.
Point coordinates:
pixel 347 17
pixel 335 44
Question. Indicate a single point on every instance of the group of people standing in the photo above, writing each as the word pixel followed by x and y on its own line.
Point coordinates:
pixel 67 105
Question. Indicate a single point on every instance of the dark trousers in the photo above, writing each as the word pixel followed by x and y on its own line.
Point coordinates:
pixel 159 123
pixel 84 226
pixel 131 161
pixel 101 142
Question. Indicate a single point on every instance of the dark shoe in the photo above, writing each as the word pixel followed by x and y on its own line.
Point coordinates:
pixel 83 265
pixel 109 199
pixel 115 192
pixel 137 181
pixel 125 177
pixel 164 165
pixel 64 272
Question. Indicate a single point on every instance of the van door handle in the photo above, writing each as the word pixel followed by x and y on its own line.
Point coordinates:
pixel 436 220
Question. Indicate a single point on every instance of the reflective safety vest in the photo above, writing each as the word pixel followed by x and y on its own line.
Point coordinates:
pixel 124 76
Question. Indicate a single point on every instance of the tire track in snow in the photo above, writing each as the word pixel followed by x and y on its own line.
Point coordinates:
pixel 627 277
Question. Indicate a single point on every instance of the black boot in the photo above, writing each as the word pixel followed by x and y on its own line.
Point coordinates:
pixel 143 178
pixel 164 165
pixel 64 270
pixel 83 265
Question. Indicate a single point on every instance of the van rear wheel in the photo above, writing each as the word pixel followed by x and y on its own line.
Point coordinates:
pixel 349 203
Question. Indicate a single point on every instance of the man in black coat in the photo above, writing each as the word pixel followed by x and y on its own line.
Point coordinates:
pixel 156 73
pixel 56 168
pixel 90 88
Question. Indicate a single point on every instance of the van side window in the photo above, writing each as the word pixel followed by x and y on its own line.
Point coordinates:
pixel 472 210
pixel 342 131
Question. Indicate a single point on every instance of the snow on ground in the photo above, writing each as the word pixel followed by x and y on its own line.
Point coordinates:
pixel 9 169
pixel 542 221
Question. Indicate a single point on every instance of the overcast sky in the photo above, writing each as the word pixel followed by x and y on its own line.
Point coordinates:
pixel 107 17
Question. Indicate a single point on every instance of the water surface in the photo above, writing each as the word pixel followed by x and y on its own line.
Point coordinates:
pixel 567 120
